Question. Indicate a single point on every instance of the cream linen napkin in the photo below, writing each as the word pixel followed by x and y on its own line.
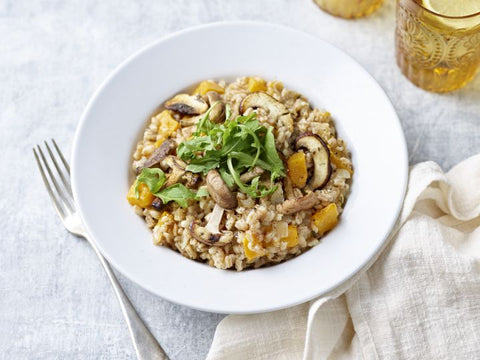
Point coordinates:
pixel 419 299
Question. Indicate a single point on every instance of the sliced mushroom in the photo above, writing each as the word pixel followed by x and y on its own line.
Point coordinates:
pixel 177 167
pixel 294 205
pixel 278 112
pixel 191 179
pixel 322 168
pixel 211 234
pixel 187 104
pixel 158 155
pixel 251 174
pixel 212 97
pixel 157 204
pixel 177 172
pixel 219 191
pixel 190 121
pixel 204 236
pixel 217 114
pixel 187 131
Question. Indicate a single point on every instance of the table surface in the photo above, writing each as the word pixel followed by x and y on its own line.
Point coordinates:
pixel 55 301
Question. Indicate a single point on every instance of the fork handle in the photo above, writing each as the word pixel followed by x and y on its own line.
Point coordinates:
pixel 145 344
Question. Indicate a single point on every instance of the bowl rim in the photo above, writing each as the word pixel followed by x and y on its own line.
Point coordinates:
pixel 75 156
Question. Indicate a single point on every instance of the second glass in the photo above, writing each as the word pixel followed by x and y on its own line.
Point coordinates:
pixel 349 9
pixel 438 52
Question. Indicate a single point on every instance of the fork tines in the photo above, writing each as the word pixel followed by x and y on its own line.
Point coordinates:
pixel 57 181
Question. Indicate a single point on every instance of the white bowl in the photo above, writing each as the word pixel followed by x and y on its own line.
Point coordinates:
pixel 118 113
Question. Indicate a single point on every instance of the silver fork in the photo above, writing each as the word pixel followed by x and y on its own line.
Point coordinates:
pixel 60 191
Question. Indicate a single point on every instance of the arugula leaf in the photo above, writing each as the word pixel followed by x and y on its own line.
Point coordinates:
pixel 271 156
pixel 250 130
pixel 244 160
pixel 244 118
pixel 202 191
pixel 154 178
pixel 261 189
pixel 178 193
pixel 187 149
pixel 202 165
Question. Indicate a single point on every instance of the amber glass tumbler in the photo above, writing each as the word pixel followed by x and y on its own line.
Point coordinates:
pixel 434 51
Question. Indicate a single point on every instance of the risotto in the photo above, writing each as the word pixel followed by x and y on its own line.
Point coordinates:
pixel 240 174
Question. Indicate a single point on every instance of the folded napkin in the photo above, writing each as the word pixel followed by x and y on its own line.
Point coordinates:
pixel 420 298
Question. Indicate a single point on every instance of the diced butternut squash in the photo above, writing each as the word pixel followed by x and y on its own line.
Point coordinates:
pixel 167 125
pixel 145 197
pixel 297 169
pixel 292 238
pixel 256 84
pixel 338 163
pixel 251 247
pixel 326 219
pixel 206 86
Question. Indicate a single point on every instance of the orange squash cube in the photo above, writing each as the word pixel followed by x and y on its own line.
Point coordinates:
pixel 292 238
pixel 297 169
pixel 167 125
pixel 256 84
pixel 249 253
pixel 206 86
pixel 325 219
pixel 338 163
pixel 145 197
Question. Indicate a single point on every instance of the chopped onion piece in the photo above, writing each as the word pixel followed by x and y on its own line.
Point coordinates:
pixel 281 229
pixel 277 196
pixel 343 174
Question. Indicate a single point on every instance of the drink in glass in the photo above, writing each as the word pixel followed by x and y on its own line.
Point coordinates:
pixel 438 42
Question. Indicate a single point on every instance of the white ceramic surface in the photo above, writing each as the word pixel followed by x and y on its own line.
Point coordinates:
pixel 118 112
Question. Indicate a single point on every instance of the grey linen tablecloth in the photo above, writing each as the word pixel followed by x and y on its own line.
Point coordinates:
pixel 55 301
